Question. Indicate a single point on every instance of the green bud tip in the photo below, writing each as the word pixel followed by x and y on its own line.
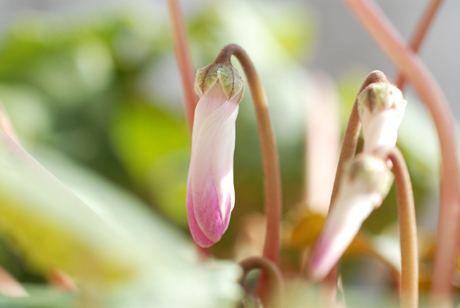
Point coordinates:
pixel 380 96
pixel 231 81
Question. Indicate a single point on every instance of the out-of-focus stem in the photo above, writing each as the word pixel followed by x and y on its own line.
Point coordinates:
pixel 183 60
pixel 321 143
pixel 428 90
pixel 272 176
pixel 347 152
pixel 187 74
pixel 275 279
pixel 407 227
pixel 419 35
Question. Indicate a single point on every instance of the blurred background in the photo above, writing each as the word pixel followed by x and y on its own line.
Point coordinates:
pixel 96 84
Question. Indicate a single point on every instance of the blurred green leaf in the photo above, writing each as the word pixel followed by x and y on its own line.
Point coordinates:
pixel 154 147
pixel 168 259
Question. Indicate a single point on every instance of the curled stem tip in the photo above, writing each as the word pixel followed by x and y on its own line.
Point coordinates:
pixel 407 227
pixel 347 152
pixel 272 177
pixel 350 139
pixel 275 279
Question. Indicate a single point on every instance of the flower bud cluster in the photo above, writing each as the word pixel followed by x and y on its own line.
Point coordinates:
pixel 366 179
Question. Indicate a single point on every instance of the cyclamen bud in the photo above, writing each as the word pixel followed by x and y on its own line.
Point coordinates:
pixel 210 191
pixel 364 184
pixel 381 109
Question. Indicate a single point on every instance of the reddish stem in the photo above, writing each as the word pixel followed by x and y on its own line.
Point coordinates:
pixel 428 90
pixel 183 60
pixel 419 35
pixel 272 176
pixel 350 139
pixel 271 270
pixel 347 152
pixel 407 227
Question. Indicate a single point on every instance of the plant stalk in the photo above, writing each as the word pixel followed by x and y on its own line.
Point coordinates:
pixel 430 93
pixel 272 176
pixel 183 60
pixel 275 279
pixel 407 227
pixel 419 35
pixel 347 152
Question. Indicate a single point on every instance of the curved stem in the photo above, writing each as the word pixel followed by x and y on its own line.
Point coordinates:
pixel 350 139
pixel 347 152
pixel 272 177
pixel 430 93
pixel 407 227
pixel 276 285
pixel 419 35
pixel 183 60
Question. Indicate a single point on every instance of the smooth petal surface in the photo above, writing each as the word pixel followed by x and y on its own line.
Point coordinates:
pixel 364 184
pixel 380 129
pixel 341 227
pixel 381 109
pixel 210 193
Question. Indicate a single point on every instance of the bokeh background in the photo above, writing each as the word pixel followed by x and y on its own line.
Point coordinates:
pixel 95 85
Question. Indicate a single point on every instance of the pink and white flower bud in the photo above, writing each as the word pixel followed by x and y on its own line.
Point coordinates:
pixel 381 108
pixel 364 184
pixel 210 191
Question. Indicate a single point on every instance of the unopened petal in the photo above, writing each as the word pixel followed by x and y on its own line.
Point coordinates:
pixel 222 166
pixel 381 109
pixel 380 129
pixel 365 182
pixel 340 229
pixel 210 183
pixel 195 229
pixel 205 107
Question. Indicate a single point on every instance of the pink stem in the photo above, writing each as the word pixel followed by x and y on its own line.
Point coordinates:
pixel 407 227
pixel 347 152
pixel 183 59
pixel 270 162
pixel 428 90
pixel 419 35
pixel 271 270
pixel 187 74
pixel 272 175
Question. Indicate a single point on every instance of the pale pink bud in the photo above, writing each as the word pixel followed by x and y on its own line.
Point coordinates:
pixel 381 109
pixel 364 184
pixel 210 191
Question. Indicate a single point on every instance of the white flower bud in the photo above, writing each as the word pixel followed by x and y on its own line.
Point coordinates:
pixel 364 184
pixel 381 109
